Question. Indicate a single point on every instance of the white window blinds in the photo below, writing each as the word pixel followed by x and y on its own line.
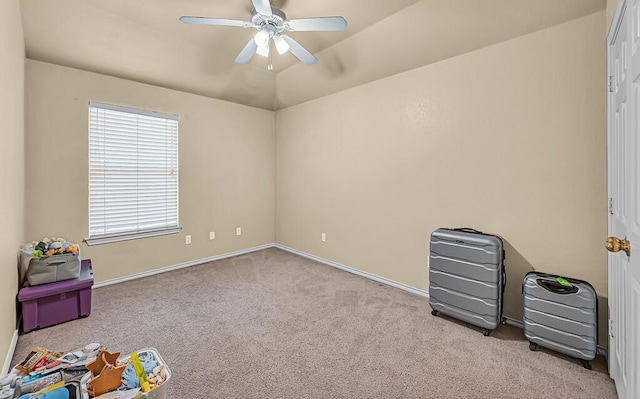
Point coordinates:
pixel 133 173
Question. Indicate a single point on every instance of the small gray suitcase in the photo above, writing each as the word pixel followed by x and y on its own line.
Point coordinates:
pixel 561 314
pixel 467 276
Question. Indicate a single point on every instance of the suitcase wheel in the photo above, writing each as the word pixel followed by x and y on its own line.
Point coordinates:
pixel 585 364
pixel 486 332
pixel 434 312
pixel 533 347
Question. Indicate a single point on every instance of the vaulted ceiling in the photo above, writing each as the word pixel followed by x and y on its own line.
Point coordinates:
pixel 143 40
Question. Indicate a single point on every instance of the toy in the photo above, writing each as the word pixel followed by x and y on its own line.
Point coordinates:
pixel 60 393
pixel 50 247
pixel 103 359
pixel 106 375
pixel 142 376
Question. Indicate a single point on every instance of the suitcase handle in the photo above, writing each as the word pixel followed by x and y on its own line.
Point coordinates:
pixel 556 288
pixel 468 230
pixel 56 262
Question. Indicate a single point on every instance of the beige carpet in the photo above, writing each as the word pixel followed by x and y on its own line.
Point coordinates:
pixel 274 325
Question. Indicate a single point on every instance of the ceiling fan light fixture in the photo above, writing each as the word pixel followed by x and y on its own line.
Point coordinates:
pixel 281 45
pixel 262 39
pixel 263 51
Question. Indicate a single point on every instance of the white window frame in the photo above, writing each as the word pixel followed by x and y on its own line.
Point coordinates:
pixel 133 234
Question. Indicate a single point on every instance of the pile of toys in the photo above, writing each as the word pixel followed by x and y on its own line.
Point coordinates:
pixel 43 372
pixel 50 246
pixel 89 372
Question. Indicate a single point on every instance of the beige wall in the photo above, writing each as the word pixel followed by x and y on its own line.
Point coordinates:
pixel 509 139
pixel 11 163
pixel 426 32
pixel 611 11
pixel 226 169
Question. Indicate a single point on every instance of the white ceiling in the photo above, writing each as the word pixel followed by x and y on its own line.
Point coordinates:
pixel 143 40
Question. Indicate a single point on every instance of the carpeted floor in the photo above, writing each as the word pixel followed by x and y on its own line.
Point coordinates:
pixel 271 324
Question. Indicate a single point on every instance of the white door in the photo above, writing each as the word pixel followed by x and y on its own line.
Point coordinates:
pixel 624 199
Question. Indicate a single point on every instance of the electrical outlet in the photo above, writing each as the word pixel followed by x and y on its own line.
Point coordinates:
pixel 212 235
pixel 238 231
pixel 323 237
pixel 187 239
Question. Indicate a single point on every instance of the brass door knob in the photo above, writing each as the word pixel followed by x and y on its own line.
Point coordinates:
pixel 614 244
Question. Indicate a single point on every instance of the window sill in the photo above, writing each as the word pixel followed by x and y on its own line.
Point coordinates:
pixel 130 236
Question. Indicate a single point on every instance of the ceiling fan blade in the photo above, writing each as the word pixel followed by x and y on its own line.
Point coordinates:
pixel 247 52
pixel 300 52
pixel 215 21
pixel 262 7
pixel 317 24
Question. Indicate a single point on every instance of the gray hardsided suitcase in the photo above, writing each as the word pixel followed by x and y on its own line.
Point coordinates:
pixel 561 317
pixel 467 276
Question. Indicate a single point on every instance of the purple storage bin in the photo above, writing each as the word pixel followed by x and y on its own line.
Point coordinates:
pixel 48 304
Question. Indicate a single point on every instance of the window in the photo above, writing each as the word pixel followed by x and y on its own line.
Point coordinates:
pixel 133 174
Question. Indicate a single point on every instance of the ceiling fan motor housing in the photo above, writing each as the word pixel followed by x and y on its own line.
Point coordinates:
pixel 273 23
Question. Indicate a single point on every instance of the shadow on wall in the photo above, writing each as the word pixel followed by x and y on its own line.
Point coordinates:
pixel 517 267
pixel 333 66
pixel 603 317
pixel 19 282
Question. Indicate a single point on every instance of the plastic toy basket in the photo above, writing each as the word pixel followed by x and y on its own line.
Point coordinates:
pixel 159 392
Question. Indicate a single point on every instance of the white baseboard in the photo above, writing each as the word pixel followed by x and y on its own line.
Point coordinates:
pixel 12 347
pixel 514 322
pixel 368 275
pixel 180 266
pixel 371 276
pixel 10 352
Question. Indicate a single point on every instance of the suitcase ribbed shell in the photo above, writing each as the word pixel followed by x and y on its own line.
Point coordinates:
pixel 466 275
pixel 566 323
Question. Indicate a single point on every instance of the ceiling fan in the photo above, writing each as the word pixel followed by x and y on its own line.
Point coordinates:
pixel 271 23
